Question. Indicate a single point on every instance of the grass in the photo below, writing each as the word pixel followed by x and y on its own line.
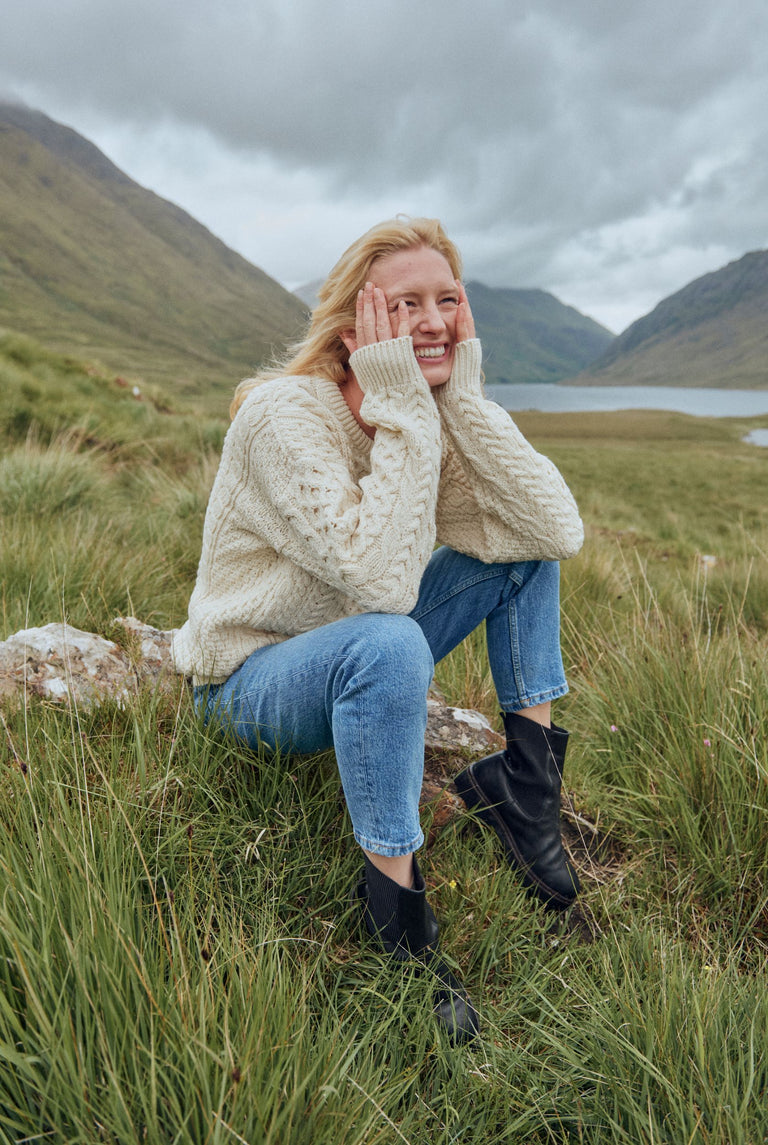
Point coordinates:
pixel 178 960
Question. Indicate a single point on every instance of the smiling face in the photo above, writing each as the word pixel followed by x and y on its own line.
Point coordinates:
pixel 421 277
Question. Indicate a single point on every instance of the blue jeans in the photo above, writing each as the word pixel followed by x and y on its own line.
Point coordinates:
pixel 360 684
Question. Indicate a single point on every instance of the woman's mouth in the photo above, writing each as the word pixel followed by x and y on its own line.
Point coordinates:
pixel 426 352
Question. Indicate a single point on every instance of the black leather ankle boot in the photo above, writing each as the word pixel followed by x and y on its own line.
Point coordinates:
pixel 517 792
pixel 403 922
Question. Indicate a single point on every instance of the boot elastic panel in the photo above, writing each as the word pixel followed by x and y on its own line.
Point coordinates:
pixel 400 917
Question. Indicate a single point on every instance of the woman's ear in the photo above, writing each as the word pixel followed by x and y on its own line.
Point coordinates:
pixel 349 338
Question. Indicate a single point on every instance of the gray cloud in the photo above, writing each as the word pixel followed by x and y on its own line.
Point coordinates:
pixel 564 143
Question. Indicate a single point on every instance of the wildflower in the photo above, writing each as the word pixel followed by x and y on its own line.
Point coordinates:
pixel 614 728
pixel 452 884
pixel 707 742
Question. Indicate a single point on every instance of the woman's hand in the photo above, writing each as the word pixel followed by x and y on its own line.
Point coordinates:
pixel 465 323
pixel 372 320
pixel 466 375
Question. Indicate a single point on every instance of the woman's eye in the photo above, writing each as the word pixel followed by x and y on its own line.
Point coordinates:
pixel 450 301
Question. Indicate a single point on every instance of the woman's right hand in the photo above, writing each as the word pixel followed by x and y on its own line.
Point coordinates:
pixel 372 320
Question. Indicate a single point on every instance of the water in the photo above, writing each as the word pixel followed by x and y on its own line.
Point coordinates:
pixel 570 399
pixel 756 437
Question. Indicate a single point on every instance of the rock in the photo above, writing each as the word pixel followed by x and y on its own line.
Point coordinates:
pixel 61 663
pixel 458 730
pixel 152 661
pixel 58 662
pixel 454 737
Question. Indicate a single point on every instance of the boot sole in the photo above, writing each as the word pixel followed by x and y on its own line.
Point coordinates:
pixel 473 796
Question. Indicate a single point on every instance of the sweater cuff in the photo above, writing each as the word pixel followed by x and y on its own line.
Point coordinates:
pixel 387 367
pixel 465 376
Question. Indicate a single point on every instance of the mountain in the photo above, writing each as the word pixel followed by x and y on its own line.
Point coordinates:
pixel 530 336
pixel 308 292
pixel 94 265
pixel 712 333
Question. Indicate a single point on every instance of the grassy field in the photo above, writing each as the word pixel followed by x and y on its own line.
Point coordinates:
pixel 178 962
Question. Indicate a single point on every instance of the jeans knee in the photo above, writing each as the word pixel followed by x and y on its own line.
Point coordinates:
pixel 399 648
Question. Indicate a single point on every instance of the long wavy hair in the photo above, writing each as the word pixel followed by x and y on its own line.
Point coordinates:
pixel 321 351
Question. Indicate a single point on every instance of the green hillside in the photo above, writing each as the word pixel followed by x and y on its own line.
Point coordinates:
pixel 713 332
pixel 47 397
pixel 530 336
pixel 93 264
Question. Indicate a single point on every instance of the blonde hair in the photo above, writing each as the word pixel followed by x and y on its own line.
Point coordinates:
pixel 322 351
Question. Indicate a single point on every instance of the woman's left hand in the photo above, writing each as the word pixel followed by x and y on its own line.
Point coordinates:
pixel 465 323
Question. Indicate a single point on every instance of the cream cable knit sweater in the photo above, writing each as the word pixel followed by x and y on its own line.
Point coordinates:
pixel 310 520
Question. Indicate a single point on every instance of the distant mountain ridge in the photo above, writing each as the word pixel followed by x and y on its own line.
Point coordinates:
pixel 530 336
pixel 63 141
pixel 712 333
pixel 95 265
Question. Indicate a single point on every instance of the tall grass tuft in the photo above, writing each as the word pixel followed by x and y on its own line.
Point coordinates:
pixel 675 716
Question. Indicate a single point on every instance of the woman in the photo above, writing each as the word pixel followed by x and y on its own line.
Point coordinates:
pixel 320 606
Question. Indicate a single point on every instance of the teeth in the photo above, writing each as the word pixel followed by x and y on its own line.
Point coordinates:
pixel 430 352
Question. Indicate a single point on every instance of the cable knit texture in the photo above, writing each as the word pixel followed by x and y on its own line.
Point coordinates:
pixel 310 520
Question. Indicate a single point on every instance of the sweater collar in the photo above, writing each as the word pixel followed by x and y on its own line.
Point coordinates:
pixel 331 392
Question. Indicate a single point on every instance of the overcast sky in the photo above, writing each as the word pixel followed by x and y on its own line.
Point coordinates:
pixel 606 151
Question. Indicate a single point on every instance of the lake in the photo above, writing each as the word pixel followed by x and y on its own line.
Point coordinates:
pixel 569 399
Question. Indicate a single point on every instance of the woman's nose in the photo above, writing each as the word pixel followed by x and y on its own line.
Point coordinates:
pixel 431 318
